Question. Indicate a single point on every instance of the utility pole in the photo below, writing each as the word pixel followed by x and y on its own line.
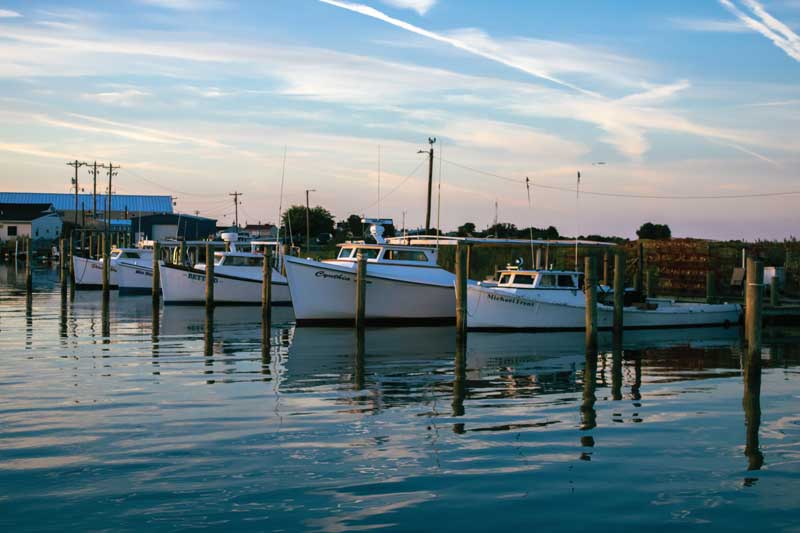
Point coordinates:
pixel 308 220
pixel 111 173
pixel 431 140
pixel 76 165
pixel 236 196
pixel 93 172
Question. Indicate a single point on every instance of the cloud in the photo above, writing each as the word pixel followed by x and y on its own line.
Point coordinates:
pixel 773 29
pixel 7 13
pixel 420 6
pixel 472 48
pixel 124 98
pixel 710 25
pixel 186 5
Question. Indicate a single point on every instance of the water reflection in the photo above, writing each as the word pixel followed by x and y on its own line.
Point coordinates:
pixel 459 382
pixel 751 402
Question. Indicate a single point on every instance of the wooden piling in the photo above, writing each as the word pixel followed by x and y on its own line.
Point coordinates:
pixel 106 267
pixel 181 254
pixel 266 290
pixel 83 243
pixel 361 290
pixel 461 291
pixel 606 279
pixel 619 291
pixel 61 260
pixel 28 272
pixel 88 252
pixel 753 304
pixel 774 295
pixel 156 275
pixel 209 277
pixel 711 287
pixel 71 264
pixel 651 282
pixel 590 289
pixel 639 281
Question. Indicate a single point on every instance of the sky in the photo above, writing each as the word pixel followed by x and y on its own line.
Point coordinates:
pixel 691 106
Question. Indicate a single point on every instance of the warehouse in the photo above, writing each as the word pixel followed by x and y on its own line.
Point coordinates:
pixel 172 226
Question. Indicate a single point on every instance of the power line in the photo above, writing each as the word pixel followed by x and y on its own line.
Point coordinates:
pixel 626 195
pixel 385 196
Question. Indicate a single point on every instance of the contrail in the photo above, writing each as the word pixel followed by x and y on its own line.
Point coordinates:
pixel 773 29
pixel 374 13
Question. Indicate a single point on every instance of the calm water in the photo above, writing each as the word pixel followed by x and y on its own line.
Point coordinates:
pixel 124 422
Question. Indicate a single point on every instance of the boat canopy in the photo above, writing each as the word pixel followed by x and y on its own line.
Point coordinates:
pixel 389 254
pixel 540 279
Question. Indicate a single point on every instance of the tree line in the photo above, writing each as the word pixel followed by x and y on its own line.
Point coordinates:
pixel 324 227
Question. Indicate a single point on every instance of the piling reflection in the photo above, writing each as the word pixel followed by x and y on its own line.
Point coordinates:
pixel 266 353
pixel 588 412
pixel 616 371
pixel 359 378
pixel 62 317
pixel 751 403
pixel 459 383
pixel 28 321
pixel 208 338
pixel 105 321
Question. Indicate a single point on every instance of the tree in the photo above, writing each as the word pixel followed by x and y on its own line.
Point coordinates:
pixel 355 226
pixel 502 230
pixel 467 230
pixel 320 221
pixel 549 233
pixel 654 231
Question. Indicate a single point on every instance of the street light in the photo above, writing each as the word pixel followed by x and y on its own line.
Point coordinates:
pixel 308 223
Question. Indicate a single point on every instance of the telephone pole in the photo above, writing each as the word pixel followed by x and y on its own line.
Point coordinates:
pixel 76 165
pixel 93 172
pixel 431 140
pixel 236 196
pixel 111 173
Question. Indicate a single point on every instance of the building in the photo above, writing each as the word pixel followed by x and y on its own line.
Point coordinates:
pixel 39 221
pixel 123 206
pixel 172 226
pixel 261 231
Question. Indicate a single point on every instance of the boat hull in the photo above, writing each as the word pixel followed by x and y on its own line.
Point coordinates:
pixel 325 294
pixel 182 285
pixel 490 309
pixel 133 278
pixel 89 273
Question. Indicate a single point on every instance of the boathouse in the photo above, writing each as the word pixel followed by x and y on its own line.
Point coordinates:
pixel 39 221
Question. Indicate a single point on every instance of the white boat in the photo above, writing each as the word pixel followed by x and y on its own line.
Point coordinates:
pixel 89 272
pixel 237 280
pixel 554 300
pixel 405 285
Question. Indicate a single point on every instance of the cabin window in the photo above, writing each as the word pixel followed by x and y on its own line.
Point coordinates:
pixel 504 278
pixel 116 254
pixel 344 253
pixel 523 279
pixel 548 280
pixel 566 281
pixel 369 253
pixel 243 261
pixel 405 255
pixel 12 231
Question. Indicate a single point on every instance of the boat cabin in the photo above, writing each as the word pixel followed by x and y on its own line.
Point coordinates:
pixel 130 253
pixel 388 254
pixel 540 279
pixel 238 259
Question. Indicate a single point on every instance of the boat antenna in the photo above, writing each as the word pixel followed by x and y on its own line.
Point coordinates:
pixel 577 219
pixel 280 206
pixel 530 208
pixel 439 197
pixel 379 181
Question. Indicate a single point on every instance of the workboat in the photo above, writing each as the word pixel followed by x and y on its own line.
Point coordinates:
pixel 237 279
pixel 89 272
pixel 555 300
pixel 405 285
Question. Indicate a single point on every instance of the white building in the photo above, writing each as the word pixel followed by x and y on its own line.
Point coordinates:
pixel 39 221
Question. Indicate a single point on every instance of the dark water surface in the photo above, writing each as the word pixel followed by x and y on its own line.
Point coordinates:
pixel 123 422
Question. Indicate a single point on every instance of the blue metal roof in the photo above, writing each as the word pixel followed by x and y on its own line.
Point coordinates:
pixel 135 203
